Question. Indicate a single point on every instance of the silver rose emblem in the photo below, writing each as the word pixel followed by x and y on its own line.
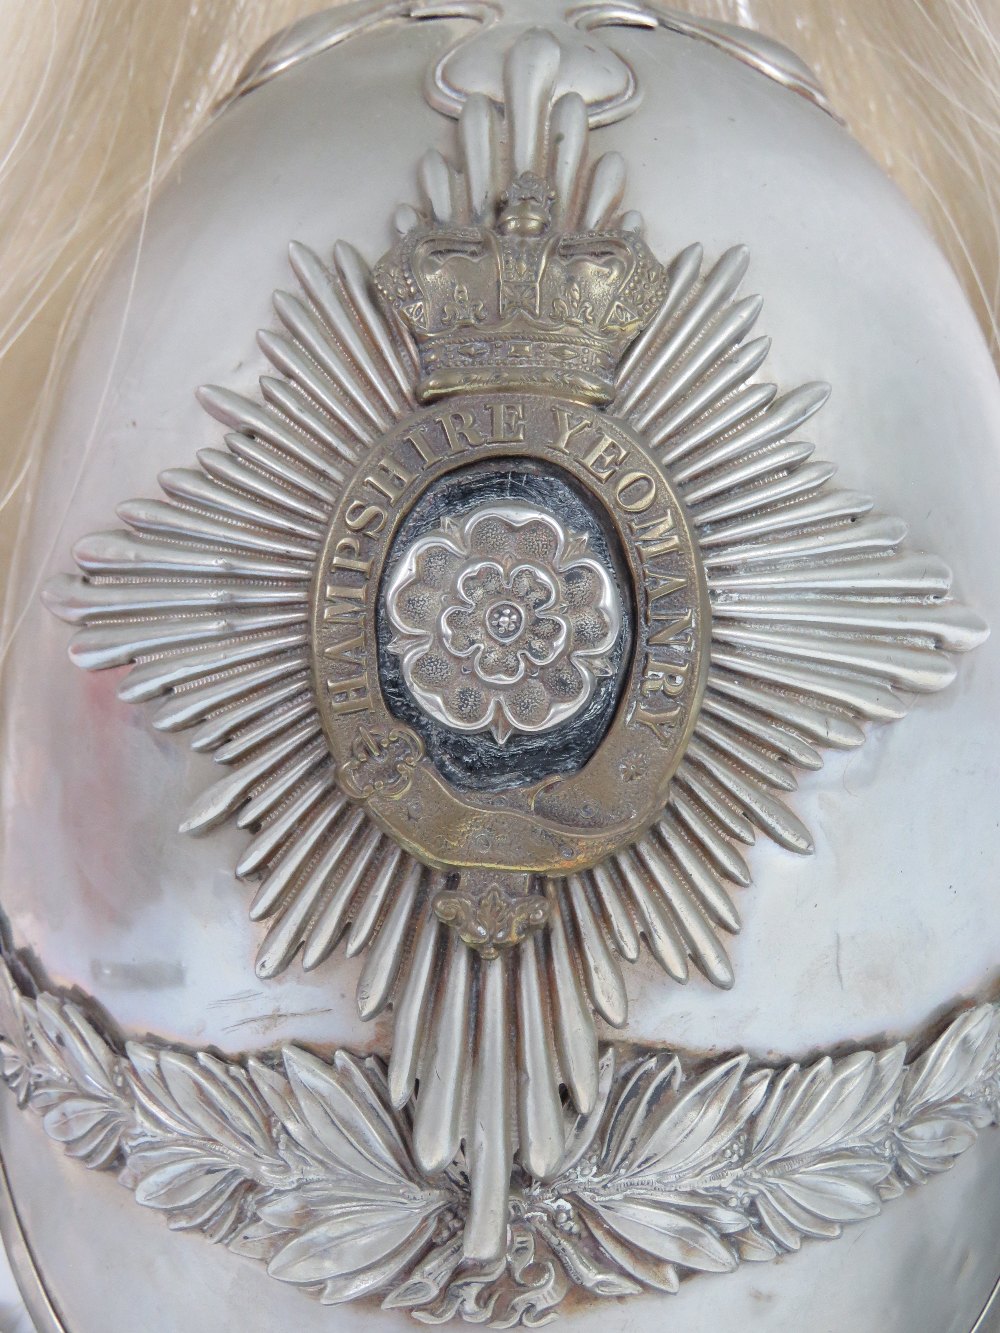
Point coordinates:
pixel 502 621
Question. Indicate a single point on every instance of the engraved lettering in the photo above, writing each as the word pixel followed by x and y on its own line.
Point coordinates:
pixel 672 630
pixel 460 431
pixel 366 519
pixel 349 653
pixel 640 488
pixel 662 585
pixel 567 428
pixel 508 423
pixel 348 696
pixel 656 536
pixel 661 724
pixel 343 604
pixel 418 439
pixel 346 555
pixel 605 458
pixel 663 679
pixel 389 480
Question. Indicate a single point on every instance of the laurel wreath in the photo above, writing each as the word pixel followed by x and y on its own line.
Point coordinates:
pixel 303 1164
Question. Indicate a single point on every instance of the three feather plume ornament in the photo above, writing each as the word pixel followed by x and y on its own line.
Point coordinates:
pixel 823 621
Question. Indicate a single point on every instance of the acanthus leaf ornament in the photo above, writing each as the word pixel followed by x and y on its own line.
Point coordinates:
pixel 499 841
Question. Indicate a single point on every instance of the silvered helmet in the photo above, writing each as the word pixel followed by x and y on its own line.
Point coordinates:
pixel 466 871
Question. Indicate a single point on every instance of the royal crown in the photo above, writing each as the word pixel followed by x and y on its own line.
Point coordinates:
pixel 515 302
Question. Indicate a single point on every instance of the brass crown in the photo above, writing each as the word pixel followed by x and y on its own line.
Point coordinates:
pixel 516 302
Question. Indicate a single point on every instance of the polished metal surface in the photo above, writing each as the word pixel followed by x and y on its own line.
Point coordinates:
pixel 37 1306
pixel 511 607
pixel 305 1166
pixel 505 602
pixel 455 74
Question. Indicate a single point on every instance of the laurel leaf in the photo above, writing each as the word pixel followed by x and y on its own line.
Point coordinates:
pixel 72 1119
pixel 351 1238
pixel 955 1060
pixel 85 1057
pixel 210 1097
pixel 935 1142
pixel 651 1272
pixel 301 1207
pixel 582 1130
pixel 359 1083
pixel 15 1058
pixel 789 1220
pixel 786 1235
pixel 755 1248
pixel 666 1234
pixel 650 1083
pixel 828 1101
pixel 865 1163
pixel 352 1286
pixel 720 1101
pixel 350 1138
pixel 176 1176
pixel 831 1197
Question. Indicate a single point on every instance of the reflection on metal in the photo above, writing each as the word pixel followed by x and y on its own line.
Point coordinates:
pixel 755 49
pixel 503 621
pixel 474 63
pixel 305 1165
pixel 521 327
pixel 989 1320
pixel 31 1284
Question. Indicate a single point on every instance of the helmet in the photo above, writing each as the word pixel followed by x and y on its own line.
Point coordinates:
pixel 486 628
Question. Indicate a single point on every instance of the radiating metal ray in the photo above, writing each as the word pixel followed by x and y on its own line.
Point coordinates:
pixel 722 737
pixel 219 800
pixel 437 1117
pixel 576 1038
pixel 385 957
pixel 242 683
pixel 615 912
pixel 385 878
pixel 490 1144
pixel 784 416
pixel 411 1007
pixel 698 359
pixel 673 336
pixel 274 464
pixel 212 733
pixel 540 1112
pixel 193 486
pixel 265 845
pixel 602 974
pixel 331 922
pixel 715 392
pixel 243 414
pixel 112 645
pixel 160 674
pixel 826 507
pixel 656 923
pixel 309 417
